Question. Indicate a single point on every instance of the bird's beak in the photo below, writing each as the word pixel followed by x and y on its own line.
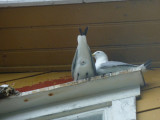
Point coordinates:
pixel 93 55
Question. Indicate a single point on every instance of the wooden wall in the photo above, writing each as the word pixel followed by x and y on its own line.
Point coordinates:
pixel 44 38
pixel 148 106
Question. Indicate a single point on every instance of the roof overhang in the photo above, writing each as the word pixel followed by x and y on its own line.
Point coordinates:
pixel 72 90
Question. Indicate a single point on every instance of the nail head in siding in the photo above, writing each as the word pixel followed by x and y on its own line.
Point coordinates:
pixel 26 100
pixel 50 94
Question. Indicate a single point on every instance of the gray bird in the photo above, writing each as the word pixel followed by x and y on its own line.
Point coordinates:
pixel 104 66
pixel 83 65
pixel 6 90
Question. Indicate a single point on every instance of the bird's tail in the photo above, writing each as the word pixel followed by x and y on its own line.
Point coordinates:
pixel 85 31
pixel 146 65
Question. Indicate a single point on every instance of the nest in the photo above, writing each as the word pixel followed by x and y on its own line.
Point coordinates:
pixel 6 91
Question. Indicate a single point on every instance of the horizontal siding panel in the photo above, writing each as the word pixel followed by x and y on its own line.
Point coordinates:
pixel 14 76
pixel 66 37
pixel 36 58
pixel 60 68
pixel 37 68
pixel 150 99
pixel 33 38
pixel 135 54
pixel 40 80
pixel 149 115
pixel 152 79
pixel 80 13
pixel 65 56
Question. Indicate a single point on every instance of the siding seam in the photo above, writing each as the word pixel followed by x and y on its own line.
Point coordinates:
pixel 85 24
pixel 148 110
pixel 25 77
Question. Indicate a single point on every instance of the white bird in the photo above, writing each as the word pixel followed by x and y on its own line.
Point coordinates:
pixel 104 66
pixel 83 65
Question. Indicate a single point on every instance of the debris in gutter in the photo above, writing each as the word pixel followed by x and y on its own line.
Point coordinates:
pixel 6 91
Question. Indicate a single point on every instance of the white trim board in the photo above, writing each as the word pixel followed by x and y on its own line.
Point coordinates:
pixel 66 99
pixel 123 109
pixel 18 3
pixel 72 90
pixel 79 105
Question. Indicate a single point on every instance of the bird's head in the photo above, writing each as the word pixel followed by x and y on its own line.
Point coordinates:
pixel 82 39
pixel 100 55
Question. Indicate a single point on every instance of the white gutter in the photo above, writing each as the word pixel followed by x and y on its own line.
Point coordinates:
pixel 18 3
pixel 71 90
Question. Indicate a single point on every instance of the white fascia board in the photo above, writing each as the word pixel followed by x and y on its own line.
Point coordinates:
pixel 72 90
pixel 73 106
pixel 90 1
pixel 18 3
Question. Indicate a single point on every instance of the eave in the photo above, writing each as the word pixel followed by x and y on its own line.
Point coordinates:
pixel 72 90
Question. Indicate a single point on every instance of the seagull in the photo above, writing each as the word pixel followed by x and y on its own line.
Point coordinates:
pixel 83 65
pixel 104 66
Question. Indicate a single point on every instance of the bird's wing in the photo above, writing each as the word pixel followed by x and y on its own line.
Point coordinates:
pixel 92 60
pixel 115 64
pixel 74 63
